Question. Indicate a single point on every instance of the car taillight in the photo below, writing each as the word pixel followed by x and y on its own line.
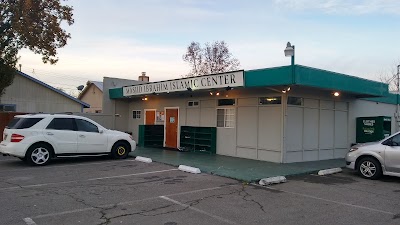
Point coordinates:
pixel 16 138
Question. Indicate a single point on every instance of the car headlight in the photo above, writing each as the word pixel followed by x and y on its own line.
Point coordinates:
pixel 353 149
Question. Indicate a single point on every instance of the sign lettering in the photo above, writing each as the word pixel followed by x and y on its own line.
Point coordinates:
pixel 232 79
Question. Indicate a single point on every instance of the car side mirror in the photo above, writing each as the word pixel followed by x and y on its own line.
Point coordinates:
pixel 101 131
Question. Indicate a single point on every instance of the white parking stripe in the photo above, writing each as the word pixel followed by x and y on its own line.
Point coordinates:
pixel 198 210
pixel 91 179
pixel 69 165
pixel 29 221
pixel 129 202
pixel 331 201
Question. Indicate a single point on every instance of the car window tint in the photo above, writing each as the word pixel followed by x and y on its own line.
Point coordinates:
pixel 86 126
pixel 12 123
pixel 23 123
pixel 61 124
pixel 396 139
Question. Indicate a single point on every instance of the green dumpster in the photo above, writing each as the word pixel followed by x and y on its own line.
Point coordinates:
pixel 369 129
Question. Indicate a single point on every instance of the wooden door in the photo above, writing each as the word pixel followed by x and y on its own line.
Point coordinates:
pixel 150 117
pixel 171 128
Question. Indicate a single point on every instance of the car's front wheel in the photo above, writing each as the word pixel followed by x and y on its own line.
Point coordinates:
pixel 38 155
pixel 120 150
pixel 369 168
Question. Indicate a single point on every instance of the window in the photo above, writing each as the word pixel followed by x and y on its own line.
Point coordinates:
pixel 97 111
pixel 396 140
pixel 270 100
pixel 62 124
pixel 225 102
pixel 193 103
pixel 23 123
pixel 226 117
pixel 294 101
pixel 86 126
pixel 136 114
pixel 8 108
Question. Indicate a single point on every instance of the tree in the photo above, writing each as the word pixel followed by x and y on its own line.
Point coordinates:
pixel 390 77
pixel 32 24
pixel 213 58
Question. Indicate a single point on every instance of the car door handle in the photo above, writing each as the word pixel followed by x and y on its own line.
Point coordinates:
pixel 49 133
pixel 82 136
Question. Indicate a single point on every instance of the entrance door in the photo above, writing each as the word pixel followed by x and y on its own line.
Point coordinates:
pixel 171 128
pixel 150 116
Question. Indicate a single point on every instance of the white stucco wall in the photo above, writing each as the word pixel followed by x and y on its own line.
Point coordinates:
pixel 363 108
pixel 258 126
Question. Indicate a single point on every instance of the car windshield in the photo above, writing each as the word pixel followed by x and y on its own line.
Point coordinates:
pixel 22 123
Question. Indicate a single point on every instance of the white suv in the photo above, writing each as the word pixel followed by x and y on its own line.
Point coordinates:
pixel 37 138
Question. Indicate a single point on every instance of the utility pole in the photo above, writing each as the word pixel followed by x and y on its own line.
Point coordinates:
pixel 397 98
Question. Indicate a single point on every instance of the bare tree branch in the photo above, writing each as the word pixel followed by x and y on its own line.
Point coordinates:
pixel 213 58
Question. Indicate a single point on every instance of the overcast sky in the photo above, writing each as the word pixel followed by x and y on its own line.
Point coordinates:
pixel 125 37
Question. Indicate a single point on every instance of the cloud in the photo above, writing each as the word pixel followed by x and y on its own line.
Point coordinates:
pixel 343 6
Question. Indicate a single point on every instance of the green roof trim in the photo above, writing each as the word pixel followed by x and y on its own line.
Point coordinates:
pixel 275 76
pixel 307 76
pixel 115 93
pixel 389 99
pixel 312 77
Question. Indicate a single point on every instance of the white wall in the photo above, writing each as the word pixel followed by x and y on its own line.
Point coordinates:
pixel 258 127
pixel 259 133
pixel 318 130
pixel 105 120
pixel 363 108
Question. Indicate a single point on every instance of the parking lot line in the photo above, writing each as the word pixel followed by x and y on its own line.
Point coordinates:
pixel 91 179
pixel 128 202
pixel 29 221
pixel 327 200
pixel 57 166
pixel 198 210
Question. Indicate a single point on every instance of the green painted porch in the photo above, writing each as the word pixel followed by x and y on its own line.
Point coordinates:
pixel 237 168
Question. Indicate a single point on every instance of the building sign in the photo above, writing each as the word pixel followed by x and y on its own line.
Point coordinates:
pixel 232 79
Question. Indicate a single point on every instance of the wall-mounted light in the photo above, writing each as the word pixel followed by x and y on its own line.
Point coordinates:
pixel 336 94
pixel 286 90
pixel 211 93
pixel 217 94
pixel 145 99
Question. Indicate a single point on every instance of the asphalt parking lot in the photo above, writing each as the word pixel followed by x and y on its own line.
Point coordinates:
pixel 104 191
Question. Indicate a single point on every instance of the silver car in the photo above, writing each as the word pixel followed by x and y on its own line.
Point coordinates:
pixel 375 159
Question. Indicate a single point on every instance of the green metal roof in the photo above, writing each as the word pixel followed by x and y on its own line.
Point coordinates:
pixel 389 99
pixel 312 77
pixel 116 93
pixel 309 77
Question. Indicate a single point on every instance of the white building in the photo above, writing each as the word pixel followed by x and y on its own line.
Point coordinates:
pixel 283 114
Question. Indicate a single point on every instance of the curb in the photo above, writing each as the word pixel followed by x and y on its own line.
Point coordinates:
pixel 272 180
pixel 189 169
pixel 329 171
pixel 143 159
